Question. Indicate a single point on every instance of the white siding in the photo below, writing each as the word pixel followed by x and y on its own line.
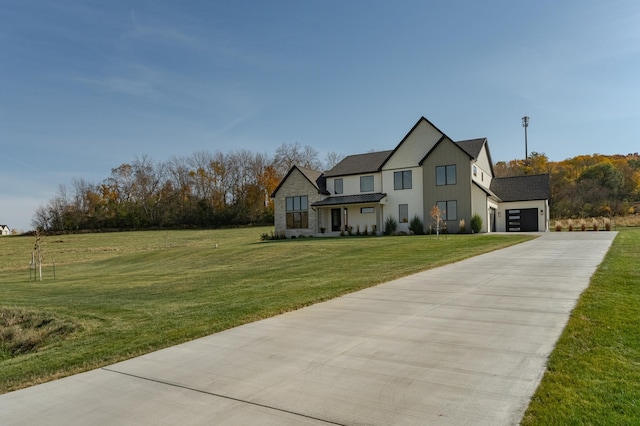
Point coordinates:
pixel 351 184
pixel 479 206
pixel 483 169
pixel 414 147
pixel 412 197
pixel 541 205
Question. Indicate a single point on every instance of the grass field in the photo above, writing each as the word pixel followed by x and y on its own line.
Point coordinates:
pixel 120 295
pixel 593 374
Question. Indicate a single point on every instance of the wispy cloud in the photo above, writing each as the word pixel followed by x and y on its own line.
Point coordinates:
pixel 157 32
pixel 135 80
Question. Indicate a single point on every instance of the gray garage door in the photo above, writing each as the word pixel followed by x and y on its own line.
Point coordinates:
pixel 522 220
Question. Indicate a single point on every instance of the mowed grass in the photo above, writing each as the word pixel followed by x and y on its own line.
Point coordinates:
pixel 121 295
pixel 593 374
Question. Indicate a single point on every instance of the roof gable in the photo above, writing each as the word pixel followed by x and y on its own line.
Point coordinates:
pixel 404 140
pixel 314 177
pixel 441 141
pixel 474 147
pixel 521 188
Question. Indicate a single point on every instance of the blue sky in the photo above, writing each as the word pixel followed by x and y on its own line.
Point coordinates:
pixel 88 85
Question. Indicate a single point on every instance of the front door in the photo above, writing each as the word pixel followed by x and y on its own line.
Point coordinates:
pixel 335 220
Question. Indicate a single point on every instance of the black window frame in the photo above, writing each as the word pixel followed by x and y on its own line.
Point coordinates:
pixel 297 212
pixel 403 218
pixel 446 179
pixel 362 181
pixel 447 209
pixel 335 186
pixel 402 180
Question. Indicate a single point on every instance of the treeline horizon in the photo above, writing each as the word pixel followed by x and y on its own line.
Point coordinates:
pixel 217 189
pixel 586 185
pixel 203 190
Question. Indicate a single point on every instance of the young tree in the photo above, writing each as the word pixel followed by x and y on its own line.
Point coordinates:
pixel 436 214
pixel 38 255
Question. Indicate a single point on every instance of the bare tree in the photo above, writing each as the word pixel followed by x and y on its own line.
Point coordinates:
pixel 332 159
pixel 288 155
pixel 41 218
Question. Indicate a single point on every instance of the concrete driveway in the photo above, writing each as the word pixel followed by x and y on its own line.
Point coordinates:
pixel 464 344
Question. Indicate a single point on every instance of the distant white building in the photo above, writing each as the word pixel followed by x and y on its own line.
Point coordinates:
pixel 4 230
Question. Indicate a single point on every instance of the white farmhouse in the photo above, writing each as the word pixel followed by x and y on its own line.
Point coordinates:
pixel 426 169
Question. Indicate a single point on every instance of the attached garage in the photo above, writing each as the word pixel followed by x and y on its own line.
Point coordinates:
pixel 523 203
pixel 522 220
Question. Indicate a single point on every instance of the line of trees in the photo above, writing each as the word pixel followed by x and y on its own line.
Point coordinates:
pixel 220 189
pixel 586 185
pixel 205 189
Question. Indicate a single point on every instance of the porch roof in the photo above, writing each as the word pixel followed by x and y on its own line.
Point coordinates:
pixel 350 199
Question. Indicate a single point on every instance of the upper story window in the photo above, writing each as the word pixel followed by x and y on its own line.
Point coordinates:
pixel 475 170
pixel 337 186
pixel 366 183
pixel 402 180
pixel 297 212
pixel 446 175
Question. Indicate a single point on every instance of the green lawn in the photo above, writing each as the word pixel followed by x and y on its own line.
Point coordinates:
pixel 593 375
pixel 120 295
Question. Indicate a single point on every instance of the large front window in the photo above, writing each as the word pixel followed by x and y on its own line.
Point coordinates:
pixel 446 175
pixel 402 180
pixel 450 209
pixel 366 183
pixel 297 212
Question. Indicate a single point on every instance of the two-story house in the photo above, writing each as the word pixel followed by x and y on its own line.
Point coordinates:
pixel 426 169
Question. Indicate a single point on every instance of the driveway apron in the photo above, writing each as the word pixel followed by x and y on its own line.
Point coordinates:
pixel 463 344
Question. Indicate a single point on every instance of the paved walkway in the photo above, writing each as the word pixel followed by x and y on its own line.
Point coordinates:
pixel 465 344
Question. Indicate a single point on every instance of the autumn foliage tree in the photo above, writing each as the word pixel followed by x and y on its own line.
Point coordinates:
pixel 205 189
pixel 586 185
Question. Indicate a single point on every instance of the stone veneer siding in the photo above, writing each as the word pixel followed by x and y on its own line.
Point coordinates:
pixel 296 184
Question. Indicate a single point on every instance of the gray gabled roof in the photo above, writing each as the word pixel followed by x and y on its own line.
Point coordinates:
pixel 359 164
pixel 314 177
pixel 473 147
pixel 521 188
pixel 350 199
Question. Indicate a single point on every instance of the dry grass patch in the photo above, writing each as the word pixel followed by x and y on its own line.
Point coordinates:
pixel 23 330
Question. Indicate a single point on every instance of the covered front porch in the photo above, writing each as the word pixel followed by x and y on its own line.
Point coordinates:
pixel 350 214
